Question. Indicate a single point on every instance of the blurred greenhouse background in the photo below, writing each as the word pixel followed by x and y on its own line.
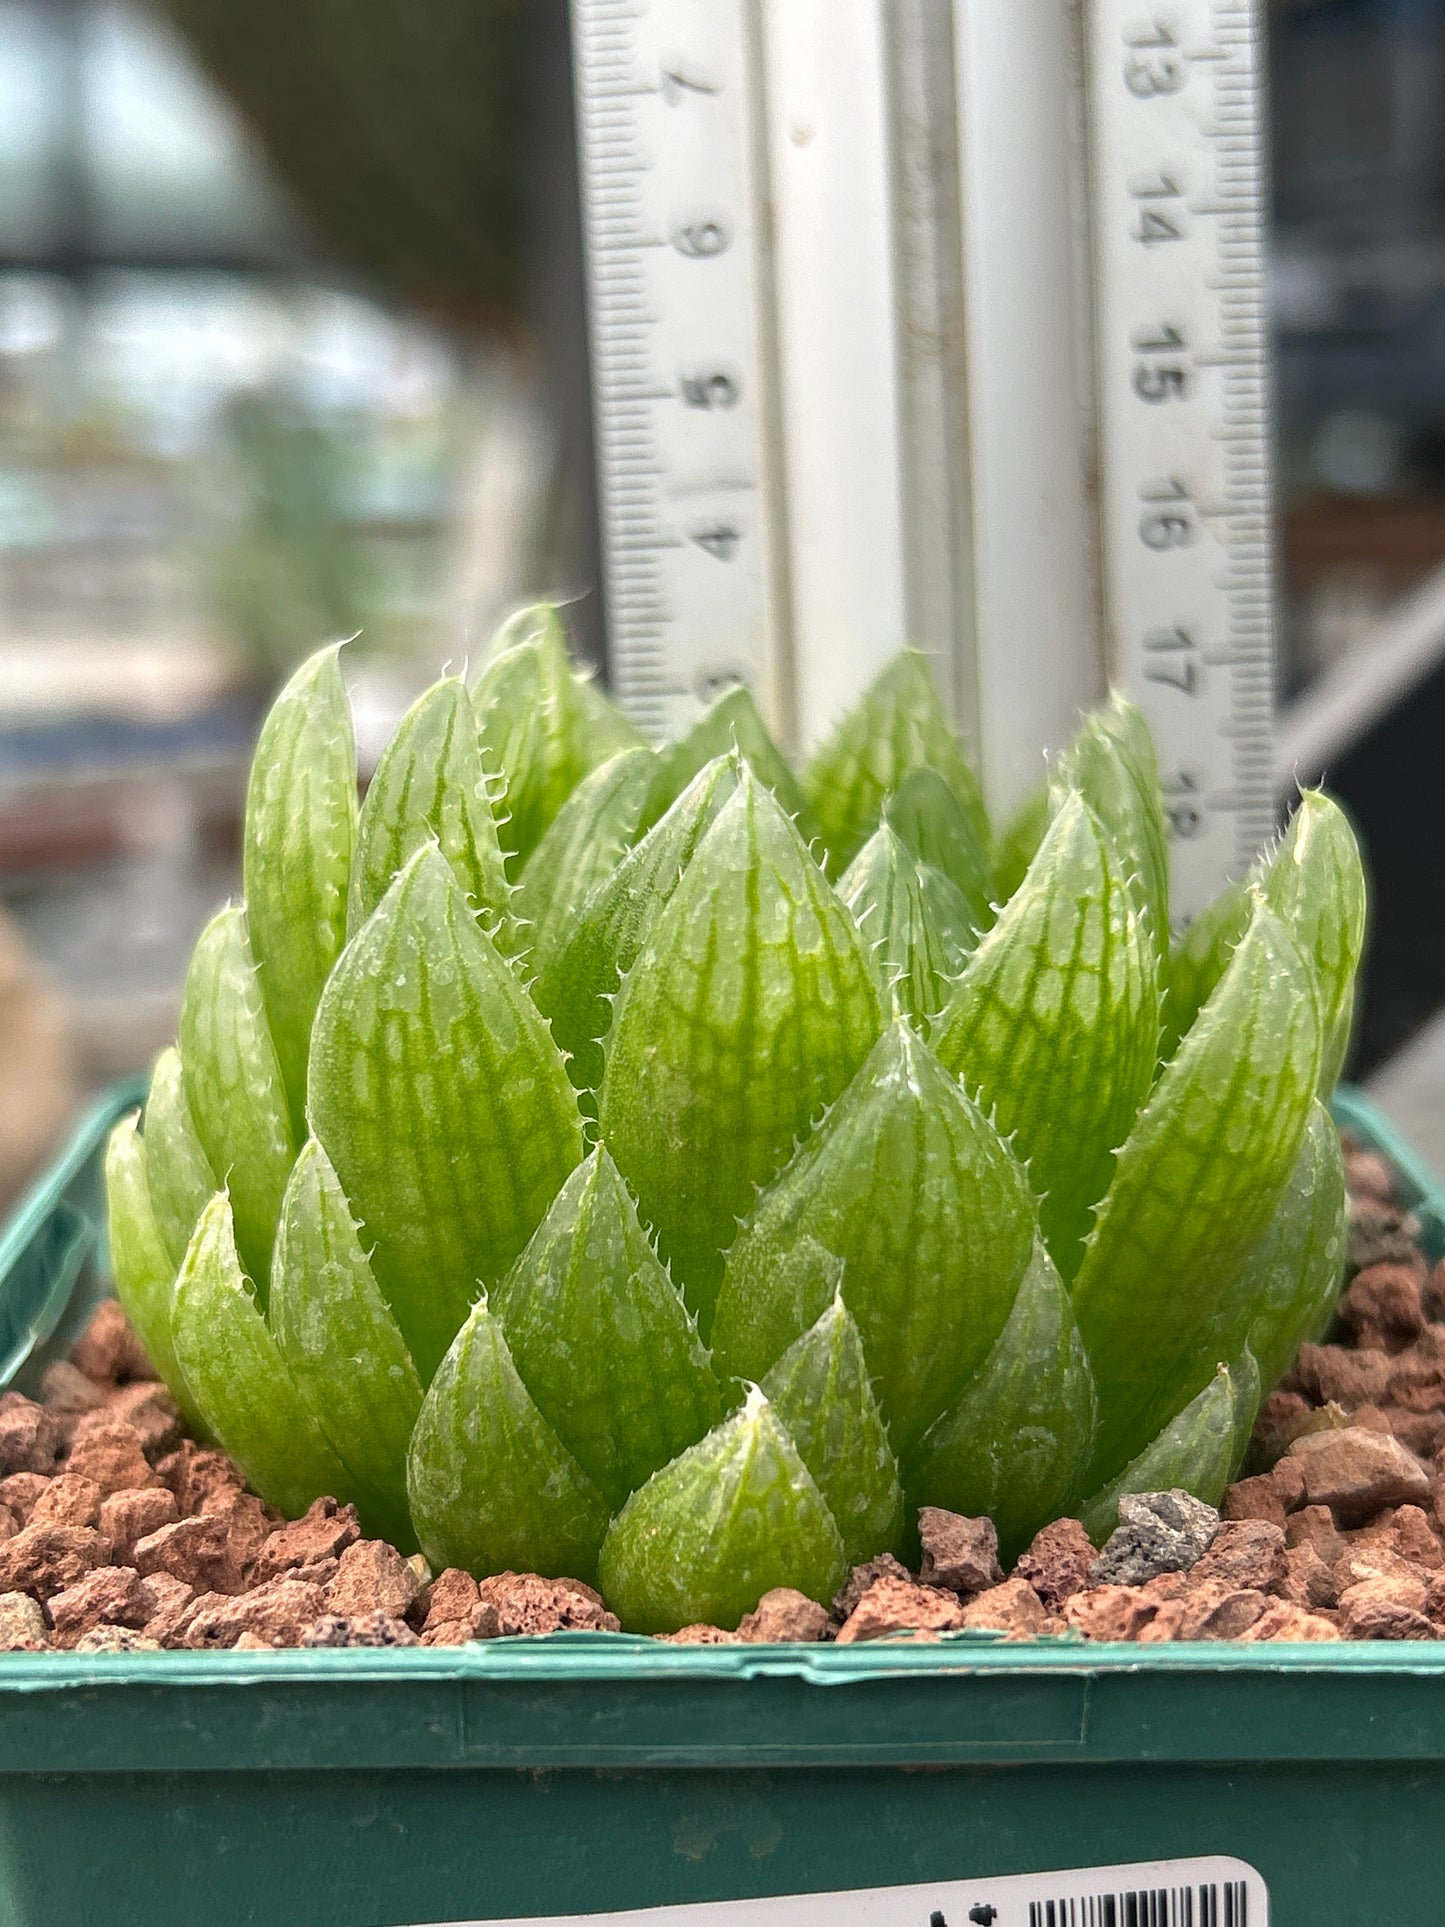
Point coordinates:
pixel 291 347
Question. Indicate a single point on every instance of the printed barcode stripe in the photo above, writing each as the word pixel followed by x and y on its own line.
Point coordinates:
pixel 1218 1904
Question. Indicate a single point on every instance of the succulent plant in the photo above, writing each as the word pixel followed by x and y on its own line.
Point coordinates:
pixel 656 1167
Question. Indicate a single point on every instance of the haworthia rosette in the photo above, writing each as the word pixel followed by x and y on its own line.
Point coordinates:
pixel 820 1391
pixel 884 890
pixel 491 1486
pixel 730 1519
pixel 341 1345
pixel 939 831
pixel 299 838
pixel 234 1085
pixel 1196 1183
pixel 750 1006
pixel 430 787
pixel 578 980
pixel 1315 884
pixel 602 1339
pixel 1012 1447
pixel 731 723
pixel 237 1377
pixel 1053 1026
pixel 582 847
pixel 140 1262
pixel 1195 1452
pixel 441 1100
pixel 910 1187
pixel 178 1172
pixel 897 726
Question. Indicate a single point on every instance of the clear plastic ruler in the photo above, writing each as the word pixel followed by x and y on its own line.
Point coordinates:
pixel 940 321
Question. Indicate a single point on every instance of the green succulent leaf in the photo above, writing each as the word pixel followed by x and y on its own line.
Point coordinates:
pixel 607 731
pixel 884 890
pixel 537 727
pixel 238 1378
pixel 1012 1447
pixel 820 1391
pixel 441 1100
pixel 936 827
pixel 578 980
pixel 1196 1184
pixel 1017 843
pixel 1290 1284
pixel 178 1172
pixel 491 1485
pixel 431 787
pixel 341 1345
pixel 234 1084
pixel 300 834
pixel 1199 961
pixel 733 722
pixel 897 726
pixel 140 1261
pixel 951 918
pixel 1195 1452
pixel 602 1338
pixel 910 1187
pixel 729 1519
pixel 1316 885
pixel 1053 1026
pixel 1101 766
pixel 581 849
pixel 750 1006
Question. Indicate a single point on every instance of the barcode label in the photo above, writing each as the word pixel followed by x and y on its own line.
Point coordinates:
pixel 1217 1904
pixel 1210 1891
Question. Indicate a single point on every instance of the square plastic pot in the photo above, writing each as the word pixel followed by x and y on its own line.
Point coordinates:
pixel 588 1773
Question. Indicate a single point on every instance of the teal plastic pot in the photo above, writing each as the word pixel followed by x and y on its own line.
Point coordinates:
pixel 585 1774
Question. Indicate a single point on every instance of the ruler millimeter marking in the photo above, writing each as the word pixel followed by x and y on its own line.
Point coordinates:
pixel 1177 169
pixel 939 321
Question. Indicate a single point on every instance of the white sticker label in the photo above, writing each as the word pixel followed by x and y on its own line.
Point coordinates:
pixel 1213 1892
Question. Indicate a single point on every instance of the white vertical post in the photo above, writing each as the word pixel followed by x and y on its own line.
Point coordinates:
pixel 1039 647
pixel 826 121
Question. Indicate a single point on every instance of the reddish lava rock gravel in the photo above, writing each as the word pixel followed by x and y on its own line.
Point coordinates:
pixel 118 1533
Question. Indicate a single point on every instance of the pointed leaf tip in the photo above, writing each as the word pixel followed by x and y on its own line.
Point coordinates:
pixel 491 1486
pixel 578 980
pixel 341 1345
pixel 821 1393
pixel 885 891
pixel 234 1085
pixel 750 1005
pixel 601 1337
pixel 908 1186
pixel 430 787
pixel 238 1379
pixel 1053 1026
pixel 1196 1184
pixel 300 834
pixel 898 725
pixel 728 1520
pixel 1013 1446
pixel 442 1102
